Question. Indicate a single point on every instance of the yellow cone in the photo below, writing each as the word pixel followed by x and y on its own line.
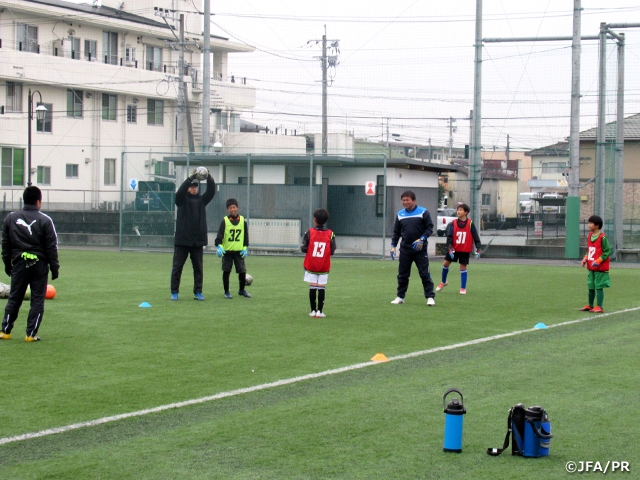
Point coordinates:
pixel 379 357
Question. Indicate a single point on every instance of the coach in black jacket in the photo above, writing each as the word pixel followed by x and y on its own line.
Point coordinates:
pixel 29 249
pixel 191 232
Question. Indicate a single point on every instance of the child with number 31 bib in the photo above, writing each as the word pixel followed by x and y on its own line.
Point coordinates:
pixel 462 235
pixel 319 243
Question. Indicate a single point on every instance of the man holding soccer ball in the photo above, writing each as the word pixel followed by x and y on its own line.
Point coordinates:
pixel 191 230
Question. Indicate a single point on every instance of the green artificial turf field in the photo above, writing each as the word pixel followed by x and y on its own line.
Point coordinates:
pixel 102 355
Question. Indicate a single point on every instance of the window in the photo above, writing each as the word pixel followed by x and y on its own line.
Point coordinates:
pixel 14 97
pixel 486 199
pixel 154 59
pixel 130 55
pixel 379 195
pixel 132 113
pixel 44 125
pixel 154 112
pixel 161 168
pixel 74 103
pixel 12 167
pixel 27 38
pixel 44 176
pixel 554 167
pixel 74 45
pixel 110 47
pixel 90 50
pixel 72 170
pixel 109 107
pixel 109 171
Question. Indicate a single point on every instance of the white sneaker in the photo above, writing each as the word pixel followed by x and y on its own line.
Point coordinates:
pixel 397 301
pixel 463 291
pixel 319 314
pixel 313 313
pixel 431 302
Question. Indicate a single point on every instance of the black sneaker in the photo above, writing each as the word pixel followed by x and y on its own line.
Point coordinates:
pixel 244 293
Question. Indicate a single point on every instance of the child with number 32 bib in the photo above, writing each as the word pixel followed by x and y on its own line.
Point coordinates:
pixel 319 243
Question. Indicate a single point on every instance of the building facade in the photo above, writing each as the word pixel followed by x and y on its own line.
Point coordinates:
pixel 109 78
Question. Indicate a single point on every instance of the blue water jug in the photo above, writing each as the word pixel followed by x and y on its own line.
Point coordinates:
pixel 453 420
pixel 537 433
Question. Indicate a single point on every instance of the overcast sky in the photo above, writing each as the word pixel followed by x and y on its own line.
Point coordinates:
pixel 411 61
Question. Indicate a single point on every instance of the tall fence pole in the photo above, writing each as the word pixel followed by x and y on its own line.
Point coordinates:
pixel 384 205
pixel 619 162
pixel 572 220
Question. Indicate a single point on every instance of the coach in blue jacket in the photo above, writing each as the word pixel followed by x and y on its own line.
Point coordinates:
pixel 415 226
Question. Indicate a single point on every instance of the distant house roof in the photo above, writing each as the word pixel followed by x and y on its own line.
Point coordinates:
pixel 102 11
pixel 560 149
pixel 631 130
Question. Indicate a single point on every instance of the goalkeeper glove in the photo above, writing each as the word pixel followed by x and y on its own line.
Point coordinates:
pixel 221 251
pixel 244 252
pixel 478 253
pixel 452 252
pixel 392 252
pixel 418 244
pixel 596 263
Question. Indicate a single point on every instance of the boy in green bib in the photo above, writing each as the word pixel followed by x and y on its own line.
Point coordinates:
pixel 233 243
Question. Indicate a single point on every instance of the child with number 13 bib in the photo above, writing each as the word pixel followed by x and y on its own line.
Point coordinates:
pixel 319 243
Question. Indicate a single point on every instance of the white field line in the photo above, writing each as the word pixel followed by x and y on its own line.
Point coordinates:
pixel 287 381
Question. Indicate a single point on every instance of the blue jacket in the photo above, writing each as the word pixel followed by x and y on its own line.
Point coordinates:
pixel 412 225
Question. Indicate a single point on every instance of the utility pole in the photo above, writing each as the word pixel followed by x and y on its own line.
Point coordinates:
pixel 452 130
pixel 507 151
pixel 181 103
pixel 326 62
pixel 388 144
pixel 476 162
pixel 206 78
pixel 325 139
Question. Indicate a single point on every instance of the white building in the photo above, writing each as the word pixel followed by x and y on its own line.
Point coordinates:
pixel 108 76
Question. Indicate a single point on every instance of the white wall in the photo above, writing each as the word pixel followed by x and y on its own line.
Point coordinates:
pixel 341 144
pixel 272 174
pixel 261 143
pixel 396 177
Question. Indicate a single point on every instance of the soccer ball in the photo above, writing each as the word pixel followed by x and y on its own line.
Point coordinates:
pixel 4 290
pixel 51 292
pixel 202 173
pixel 249 280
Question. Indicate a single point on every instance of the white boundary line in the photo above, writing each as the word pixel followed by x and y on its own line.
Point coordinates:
pixel 288 381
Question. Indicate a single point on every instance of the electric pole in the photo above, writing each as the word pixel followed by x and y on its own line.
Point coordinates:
pixel 452 130
pixel 206 78
pixel 326 62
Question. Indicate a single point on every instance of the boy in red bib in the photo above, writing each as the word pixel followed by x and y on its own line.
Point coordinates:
pixel 597 261
pixel 319 243
pixel 461 237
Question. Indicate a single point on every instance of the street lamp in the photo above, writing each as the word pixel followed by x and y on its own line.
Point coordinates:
pixel 41 112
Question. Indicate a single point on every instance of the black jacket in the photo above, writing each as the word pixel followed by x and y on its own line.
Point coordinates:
pixel 191 221
pixel 29 230
pixel 411 225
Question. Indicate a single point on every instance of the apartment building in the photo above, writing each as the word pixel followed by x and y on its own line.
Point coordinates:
pixel 108 77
